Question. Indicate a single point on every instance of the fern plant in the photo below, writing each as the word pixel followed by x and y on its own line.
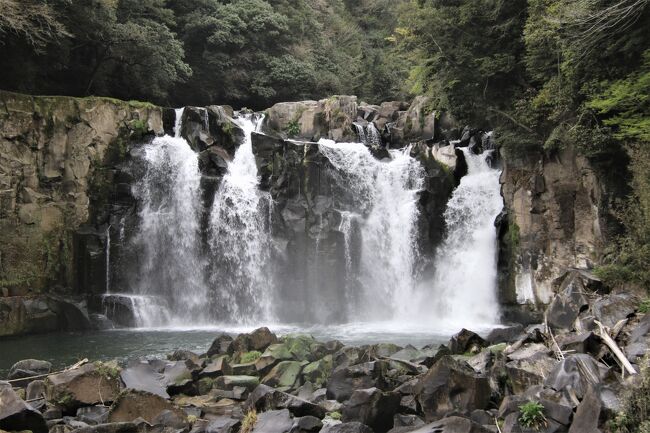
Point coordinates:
pixel 532 415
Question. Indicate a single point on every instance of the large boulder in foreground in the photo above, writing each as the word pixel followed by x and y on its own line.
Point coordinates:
pixel 16 415
pixel 28 368
pixel 276 421
pixel 451 386
pixel 347 427
pixel 87 385
pixel 265 398
pixel 259 340
pixel 345 380
pixel 452 424
pixel 372 407
pixel 133 404
pixel 568 303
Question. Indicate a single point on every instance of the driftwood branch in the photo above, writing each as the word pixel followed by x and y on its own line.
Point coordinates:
pixel 41 376
pixel 616 351
pixel 559 354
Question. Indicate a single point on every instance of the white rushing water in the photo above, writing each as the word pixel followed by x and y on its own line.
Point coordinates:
pixel 107 254
pixel 239 237
pixel 384 194
pixel 169 233
pixel 464 286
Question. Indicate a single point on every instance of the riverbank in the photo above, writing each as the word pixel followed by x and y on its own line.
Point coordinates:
pixel 516 379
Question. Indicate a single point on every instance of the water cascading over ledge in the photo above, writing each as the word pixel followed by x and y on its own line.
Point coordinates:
pixel 294 231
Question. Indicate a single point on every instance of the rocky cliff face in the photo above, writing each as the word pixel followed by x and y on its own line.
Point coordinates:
pixel 560 217
pixel 57 158
pixel 67 170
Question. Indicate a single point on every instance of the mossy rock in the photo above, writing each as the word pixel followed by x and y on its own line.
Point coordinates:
pixel 299 345
pixel 317 372
pixel 284 375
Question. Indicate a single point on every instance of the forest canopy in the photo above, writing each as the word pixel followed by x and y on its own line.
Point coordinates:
pixel 175 52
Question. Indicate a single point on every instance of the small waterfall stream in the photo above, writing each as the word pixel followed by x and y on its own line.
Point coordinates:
pixel 382 197
pixel 169 233
pixel 240 241
pixel 464 286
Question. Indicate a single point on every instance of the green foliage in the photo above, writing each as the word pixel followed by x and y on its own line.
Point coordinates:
pixel 625 104
pixel 628 261
pixel 513 236
pixel 293 128
pixel 466 54
pixel 644 306
pixel 109 370
pixel 334 415
pixel 186 52
pixel 65 399
pixel 250 356
pixel 531 415
pixel 635 406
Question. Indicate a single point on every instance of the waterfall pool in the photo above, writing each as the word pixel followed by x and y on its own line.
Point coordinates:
pixel 65 348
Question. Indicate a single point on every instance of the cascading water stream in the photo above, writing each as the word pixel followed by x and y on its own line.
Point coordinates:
pixel 384 194
pixel 169 233
pixel 107 253
pixel 368 135
pixel 240 239
pixel 464 287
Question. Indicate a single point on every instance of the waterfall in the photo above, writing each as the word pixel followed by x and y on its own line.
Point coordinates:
pixel 466 263
pixel 368 135
pixel 108 259
pixel 169 233
pixel 146 310
pixel 373 136
pixel 384 194
pixel 240 239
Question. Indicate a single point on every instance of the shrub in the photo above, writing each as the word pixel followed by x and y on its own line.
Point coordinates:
pixel 532 415
pixel 293 128
pixel 635 405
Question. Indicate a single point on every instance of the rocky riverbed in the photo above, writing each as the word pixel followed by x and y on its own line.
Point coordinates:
pixel 563 375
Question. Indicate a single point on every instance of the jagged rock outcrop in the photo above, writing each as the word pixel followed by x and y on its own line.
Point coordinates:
pixel 559 217
pixel 57 158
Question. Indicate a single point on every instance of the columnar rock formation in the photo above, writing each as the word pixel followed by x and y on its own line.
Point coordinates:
pixel 67 210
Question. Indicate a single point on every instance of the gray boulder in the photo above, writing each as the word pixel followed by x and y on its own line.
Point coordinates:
pixel 16 415
pixel 466 341
pixel 87 385
pixel 372 407
pixel 221 345
pixel 132 405
pixel 451 386
pixel 28 368
pixel 276 421
pixel 588 414
pixel 140 375
pixel 452 424
pixel 577 372
pixel 345 380
pixel 527 372
pixel 306 424
pixel 567 303
pixel 615 307
pixel 347 427
pixel 35 393
pixel 265 398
